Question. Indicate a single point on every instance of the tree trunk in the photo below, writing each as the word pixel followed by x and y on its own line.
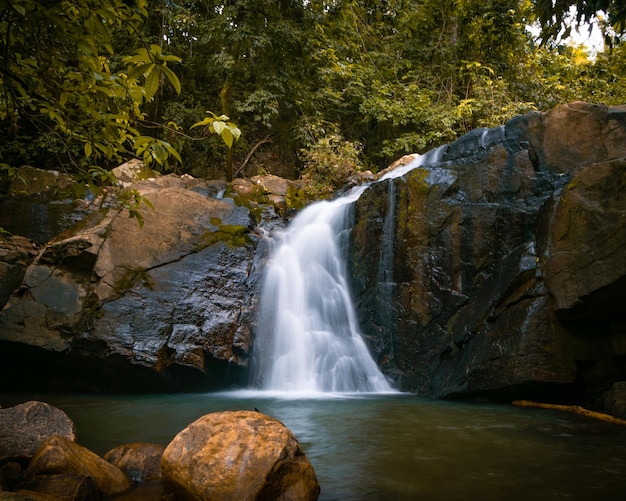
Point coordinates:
pixel 225 100
pixel 572 408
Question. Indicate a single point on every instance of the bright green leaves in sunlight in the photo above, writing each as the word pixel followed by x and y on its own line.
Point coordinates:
pixel 152 64
pixel 221 126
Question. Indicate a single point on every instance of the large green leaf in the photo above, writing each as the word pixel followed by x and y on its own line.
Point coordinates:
pixel 171 76
pixel 152 83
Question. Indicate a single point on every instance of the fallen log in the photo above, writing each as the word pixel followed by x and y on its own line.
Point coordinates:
pixel 577 409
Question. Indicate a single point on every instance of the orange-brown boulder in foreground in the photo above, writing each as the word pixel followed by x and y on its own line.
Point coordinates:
pixel 240 456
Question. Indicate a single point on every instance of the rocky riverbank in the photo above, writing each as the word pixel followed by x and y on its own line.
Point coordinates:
pixel 238 455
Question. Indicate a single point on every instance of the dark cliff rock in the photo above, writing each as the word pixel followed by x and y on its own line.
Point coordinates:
pixel 506 269
pixel 170 306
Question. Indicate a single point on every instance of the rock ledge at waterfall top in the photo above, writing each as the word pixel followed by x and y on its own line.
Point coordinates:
pixel 508 262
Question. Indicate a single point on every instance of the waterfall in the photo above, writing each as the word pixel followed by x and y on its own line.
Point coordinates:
pixel 307 337
pixel 384 276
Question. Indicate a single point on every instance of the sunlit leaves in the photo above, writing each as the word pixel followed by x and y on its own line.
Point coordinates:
pixel 221 126
pixel 558 18
pixel 132 201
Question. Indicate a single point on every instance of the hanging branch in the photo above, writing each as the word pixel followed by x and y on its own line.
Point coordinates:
pixel 250 153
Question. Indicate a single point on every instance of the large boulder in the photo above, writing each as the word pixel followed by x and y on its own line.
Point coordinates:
pixel 59 456
pixel 240 456
pixel 24 427
pixel 162 300
pixel 505 268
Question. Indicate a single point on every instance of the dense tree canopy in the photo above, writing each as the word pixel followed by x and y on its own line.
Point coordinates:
pixel 86 84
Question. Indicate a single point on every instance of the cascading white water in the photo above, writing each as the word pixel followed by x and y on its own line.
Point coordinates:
pixel 308 339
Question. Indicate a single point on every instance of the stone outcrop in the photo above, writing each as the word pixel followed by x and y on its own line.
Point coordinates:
pixel 15 254
pixel 615 400
pixel 165 305
pixel 506 263
pixel 240 455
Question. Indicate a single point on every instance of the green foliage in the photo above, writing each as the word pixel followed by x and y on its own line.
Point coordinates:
pixel 151 149
pixel 132 201
pixel 151 64
pixel 221 126
pixel 65 82
pixel 85 84
pixel 328 164
pixel 12 173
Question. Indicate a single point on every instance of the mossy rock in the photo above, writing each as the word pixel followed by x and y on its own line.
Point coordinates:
pixel 231 234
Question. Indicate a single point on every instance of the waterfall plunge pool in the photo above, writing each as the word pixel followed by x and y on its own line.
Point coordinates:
pixel 388 447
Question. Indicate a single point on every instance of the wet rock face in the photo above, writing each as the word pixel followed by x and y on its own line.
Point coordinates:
pixel 36 204
pixel 169 306
pixel 15 254
pixel 505 272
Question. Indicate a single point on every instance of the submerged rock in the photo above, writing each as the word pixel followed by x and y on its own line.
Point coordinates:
pixel 238 455
pixel 61 487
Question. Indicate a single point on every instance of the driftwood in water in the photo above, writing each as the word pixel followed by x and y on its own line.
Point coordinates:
pixel 577 409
